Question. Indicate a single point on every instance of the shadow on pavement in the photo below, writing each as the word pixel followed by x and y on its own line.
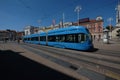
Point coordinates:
pixel 90 50
pixel 93 50
pixel 17 67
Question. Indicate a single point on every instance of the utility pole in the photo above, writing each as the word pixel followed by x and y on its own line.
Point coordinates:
pixel 77 9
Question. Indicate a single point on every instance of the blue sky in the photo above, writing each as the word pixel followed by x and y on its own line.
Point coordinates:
pixel 16 14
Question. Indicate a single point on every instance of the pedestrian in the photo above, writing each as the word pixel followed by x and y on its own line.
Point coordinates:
pixel 5 40
pixel 18 40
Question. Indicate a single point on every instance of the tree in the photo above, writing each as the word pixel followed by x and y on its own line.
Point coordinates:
pixel 109 27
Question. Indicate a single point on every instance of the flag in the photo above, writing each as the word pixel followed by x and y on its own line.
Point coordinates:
pixel 53 22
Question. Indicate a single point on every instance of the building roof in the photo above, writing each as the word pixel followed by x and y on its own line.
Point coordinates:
pixel 3 31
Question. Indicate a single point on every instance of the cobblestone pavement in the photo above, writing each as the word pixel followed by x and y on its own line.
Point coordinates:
pixel 112 46
pixel 17 48
pixel 17 63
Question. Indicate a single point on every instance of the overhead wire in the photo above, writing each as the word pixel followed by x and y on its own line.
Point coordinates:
pixel 24 4
pixel 57 13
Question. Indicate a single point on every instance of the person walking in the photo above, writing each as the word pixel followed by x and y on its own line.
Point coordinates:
pixel 18 40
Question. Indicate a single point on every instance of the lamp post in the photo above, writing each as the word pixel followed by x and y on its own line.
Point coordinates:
pixel 39 22
pixel 110 26
pixel 77 9
pixel 63 20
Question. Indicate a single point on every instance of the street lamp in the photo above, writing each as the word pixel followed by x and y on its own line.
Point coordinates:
pixel 77 9
pixel 110 25
pixel 39 22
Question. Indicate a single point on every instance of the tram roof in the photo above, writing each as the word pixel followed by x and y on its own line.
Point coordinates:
pixel 72 28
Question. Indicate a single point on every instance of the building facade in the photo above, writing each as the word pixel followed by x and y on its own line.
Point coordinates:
pixel 95 26
pixel 3 35
pixel 7 35
pixel 117 26
pixel 30 30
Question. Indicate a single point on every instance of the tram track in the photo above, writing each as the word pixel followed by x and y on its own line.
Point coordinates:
pixel 106 57
pixel 107 61
pixel 103 64
pixel 111 52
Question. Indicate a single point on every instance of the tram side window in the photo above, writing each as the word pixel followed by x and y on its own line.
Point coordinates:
pixel 34 38
pixel 25 39
pixel 29 39
pixel 57 38
pixel 81 38
pixel 43 38
pixel 60 38
pixel 71 38
pixel 51 38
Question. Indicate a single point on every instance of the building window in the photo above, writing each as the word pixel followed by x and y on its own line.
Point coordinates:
pixel 99 27
pixel 93 27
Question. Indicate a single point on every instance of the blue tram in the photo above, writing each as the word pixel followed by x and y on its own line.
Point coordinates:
pixel 74 37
